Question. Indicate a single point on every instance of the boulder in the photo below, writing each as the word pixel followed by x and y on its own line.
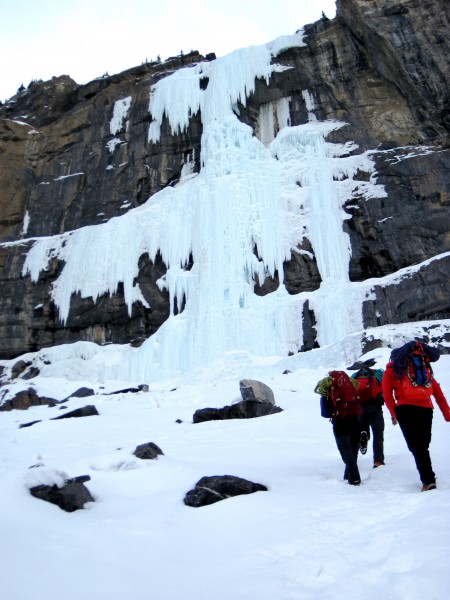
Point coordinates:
pixel 26 398
pixel 256 391
pixel 85 411
pixel 82 392
pixel 246 409
pixel 143 387
pixel 209 490
pixel 362 364
pixel 73 495
pixel 148 451
pixel 19 367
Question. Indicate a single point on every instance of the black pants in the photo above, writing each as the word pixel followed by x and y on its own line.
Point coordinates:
pixel 347 431
pixel 415 423
pixel 372 419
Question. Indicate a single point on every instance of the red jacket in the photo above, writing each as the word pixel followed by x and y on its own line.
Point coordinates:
pixel 401 391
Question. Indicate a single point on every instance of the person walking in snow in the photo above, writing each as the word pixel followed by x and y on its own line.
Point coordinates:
pixel 344 413
pixel 408 384
pixel 370 395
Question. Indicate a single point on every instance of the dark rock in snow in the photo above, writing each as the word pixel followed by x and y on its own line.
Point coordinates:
pixel 246 409
pixel 30 373
pixel 26 398
pixel 73 495
pixel 29 424
pixel 209 490
pixel 362 364
pixel 148 451
pixel 82 392
pixel 85 411
pixel 132 390
pixel 258 401
pixel 19 367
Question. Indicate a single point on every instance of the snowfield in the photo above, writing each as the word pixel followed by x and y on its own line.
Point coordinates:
pixel 309 536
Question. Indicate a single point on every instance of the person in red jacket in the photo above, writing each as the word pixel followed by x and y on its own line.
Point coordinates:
pixel 408 384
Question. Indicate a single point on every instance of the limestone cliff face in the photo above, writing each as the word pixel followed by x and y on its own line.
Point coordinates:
pixel 380 66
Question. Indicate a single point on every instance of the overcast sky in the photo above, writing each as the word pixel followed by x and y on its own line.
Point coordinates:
pixel 88 38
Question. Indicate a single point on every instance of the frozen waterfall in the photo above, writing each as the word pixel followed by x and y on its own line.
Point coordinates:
pixel 266 194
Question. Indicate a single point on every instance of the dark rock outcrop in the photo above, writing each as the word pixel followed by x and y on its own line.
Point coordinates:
pixel 26 398
pixel 84 411
pixel 258 400
pixel 143 387
pixel 246 409
pixel 82 392
pixel 148 451
pixel 209 490
pixel 380 66
pixel 72 496
pixel 366 364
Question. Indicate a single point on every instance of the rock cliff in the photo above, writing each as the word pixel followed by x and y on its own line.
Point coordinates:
pixel 72 156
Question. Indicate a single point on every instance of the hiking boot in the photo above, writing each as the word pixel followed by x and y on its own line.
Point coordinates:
pixel 356 482
pixel 363 442
pixel 428 486
pixel 378 463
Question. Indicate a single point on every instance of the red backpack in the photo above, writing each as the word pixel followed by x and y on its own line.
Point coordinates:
pixel 343 391
pixel 369 384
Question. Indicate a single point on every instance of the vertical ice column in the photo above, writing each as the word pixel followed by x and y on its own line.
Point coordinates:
pixel 272 117
pixel 309 103
pixel 235 206
pixel 330 243
pixel 336 313
pixel 121 108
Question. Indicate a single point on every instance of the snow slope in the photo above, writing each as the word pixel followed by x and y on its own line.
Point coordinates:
pixel 309 536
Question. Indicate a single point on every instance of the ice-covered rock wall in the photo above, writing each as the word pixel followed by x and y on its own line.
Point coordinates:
pixel 278 200
pixel 235 222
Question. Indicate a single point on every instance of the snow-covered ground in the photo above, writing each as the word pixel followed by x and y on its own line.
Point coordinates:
pixel 310 536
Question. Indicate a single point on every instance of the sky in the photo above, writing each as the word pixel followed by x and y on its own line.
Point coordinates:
pixel 85 39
